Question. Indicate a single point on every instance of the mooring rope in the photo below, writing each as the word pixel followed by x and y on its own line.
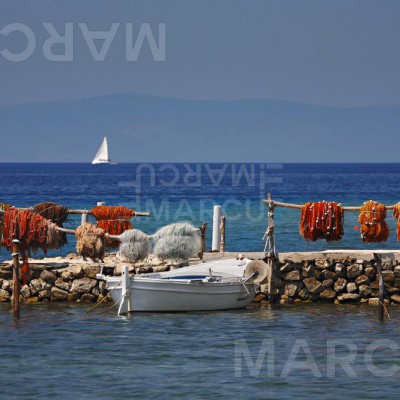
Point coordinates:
pixel 58 309
pixel 97 304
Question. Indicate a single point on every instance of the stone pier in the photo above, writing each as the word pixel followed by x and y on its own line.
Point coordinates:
pixel 335 276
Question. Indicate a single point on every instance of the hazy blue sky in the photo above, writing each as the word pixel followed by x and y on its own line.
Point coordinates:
pixel 325 52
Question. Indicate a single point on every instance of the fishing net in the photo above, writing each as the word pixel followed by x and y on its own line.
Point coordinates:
pixel 55 213
pixel 3 207
pixel 322 220
pixel 113 220
pixel 373 225
pixel 33 232
pixel 396 214
pixel 90 242
pixel 134 245
pixel 26 226
pixel 177 241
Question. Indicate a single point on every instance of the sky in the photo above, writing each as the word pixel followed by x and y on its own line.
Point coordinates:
pixel 168 74
pixel 342 53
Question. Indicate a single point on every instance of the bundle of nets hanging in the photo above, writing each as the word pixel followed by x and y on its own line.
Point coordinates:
pixel 33 232
pixel 134 246
pixel 3 207
pixel 396 214
pixel 373 225
pixel 90 242
pixel 177 241
pixel 113 220
pixel 55 213
pixel 322 220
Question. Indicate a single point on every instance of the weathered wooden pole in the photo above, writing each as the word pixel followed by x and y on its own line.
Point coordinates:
pixel 269 250
pixel 216 236
pixel 16 291
pixel 202 229
pixel 222 229
pixel 381 305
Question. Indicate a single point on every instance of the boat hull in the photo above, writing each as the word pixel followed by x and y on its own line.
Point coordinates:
pixel 159 295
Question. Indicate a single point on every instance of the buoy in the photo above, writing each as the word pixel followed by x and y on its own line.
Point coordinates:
pixel 259 270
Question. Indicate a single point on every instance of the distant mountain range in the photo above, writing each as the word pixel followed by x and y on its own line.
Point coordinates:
pixel 144 128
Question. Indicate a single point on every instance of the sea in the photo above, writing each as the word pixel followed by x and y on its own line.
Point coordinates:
pixel 262 352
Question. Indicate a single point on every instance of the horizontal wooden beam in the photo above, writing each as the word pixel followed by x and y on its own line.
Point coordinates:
pixel 137 213
pixel 298 206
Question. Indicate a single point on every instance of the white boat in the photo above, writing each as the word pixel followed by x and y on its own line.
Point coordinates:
pixel 101 156
pixel 218 285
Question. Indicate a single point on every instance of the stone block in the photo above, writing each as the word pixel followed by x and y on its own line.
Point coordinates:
pixel 363 280
pixel 327 294
pixel 313 286
pixel 354 270
pixel 348 297
pixel 365 290
pixel 351 287
pixel 340 284
pixel 58 294
pixel 83 285
pixel 341 270
pixel 292 276
pixel 48 277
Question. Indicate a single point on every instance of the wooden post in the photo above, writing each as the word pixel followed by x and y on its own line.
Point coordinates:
pixel 269 250
pixel 202 229
pixel 16 291
pixel 222 229
pixel 269 236
pixel 381 305
pixel 126 305
pixel 216 236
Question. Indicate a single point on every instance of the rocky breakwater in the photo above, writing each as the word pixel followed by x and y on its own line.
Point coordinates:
pixel 72 279
pixel 339 277
pixel 73 283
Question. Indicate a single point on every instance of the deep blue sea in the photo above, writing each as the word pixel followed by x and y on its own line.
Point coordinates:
pixel 177 192
pixel 262 352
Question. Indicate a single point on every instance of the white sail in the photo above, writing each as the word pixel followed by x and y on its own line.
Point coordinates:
pixel 101 156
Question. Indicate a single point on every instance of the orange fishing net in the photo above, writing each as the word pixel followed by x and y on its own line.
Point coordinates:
pixel 114 220
pixel 3 207
pixel 322 220
pixel 396 214
pixel 373 224
pixel 26 226
pixel 55 213
pixel 31 231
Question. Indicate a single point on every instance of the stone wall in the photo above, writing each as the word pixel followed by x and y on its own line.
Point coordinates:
pixel 72 279
pixel 73 283
pixel 338 277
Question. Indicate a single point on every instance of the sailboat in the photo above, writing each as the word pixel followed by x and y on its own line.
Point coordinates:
pixel 101 156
